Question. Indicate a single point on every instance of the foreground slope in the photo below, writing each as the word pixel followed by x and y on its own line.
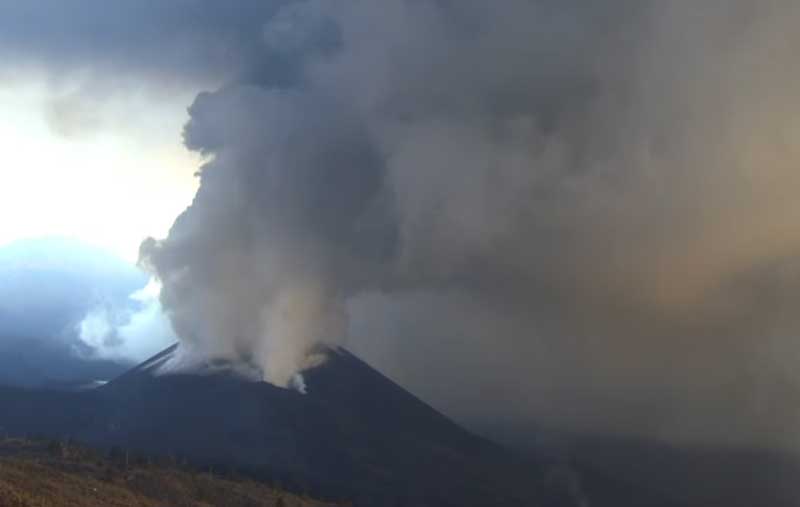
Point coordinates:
pixel 33 475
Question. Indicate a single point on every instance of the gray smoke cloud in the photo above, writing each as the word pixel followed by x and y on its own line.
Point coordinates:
pixel 581 214
pixel 173 42
pixel 589 207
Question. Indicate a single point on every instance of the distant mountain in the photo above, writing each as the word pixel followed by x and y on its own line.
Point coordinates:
pixel 354 435
pixel 41 362
pixel 47 286
pixel 48 283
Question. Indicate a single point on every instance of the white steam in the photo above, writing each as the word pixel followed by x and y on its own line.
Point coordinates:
pixel 130 332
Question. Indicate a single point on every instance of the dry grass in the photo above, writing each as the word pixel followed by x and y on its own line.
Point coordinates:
pixel 32 477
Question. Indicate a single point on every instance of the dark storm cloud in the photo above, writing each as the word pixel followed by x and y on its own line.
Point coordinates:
pixel 195 39
pixel 588 206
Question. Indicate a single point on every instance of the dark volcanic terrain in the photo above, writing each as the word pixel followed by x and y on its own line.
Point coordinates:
pixel 355 435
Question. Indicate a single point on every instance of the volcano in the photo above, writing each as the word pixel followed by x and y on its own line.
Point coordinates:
pixel 353 435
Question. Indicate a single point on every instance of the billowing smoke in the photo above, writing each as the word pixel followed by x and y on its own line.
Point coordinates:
pixel 582 214
pixel 270 288
pixel 591 206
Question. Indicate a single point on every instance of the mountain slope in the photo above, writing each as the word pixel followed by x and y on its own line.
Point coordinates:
pixel 354 435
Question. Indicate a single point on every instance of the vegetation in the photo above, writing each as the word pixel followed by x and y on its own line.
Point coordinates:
pixel 41 473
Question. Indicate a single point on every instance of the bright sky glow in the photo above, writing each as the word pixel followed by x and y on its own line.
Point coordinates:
pixel 108 172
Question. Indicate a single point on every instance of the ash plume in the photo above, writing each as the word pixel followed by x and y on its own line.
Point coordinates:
pixel 600 197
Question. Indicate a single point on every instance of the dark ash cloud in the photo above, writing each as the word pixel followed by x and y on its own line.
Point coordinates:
pixel 180 39
pixel 587 207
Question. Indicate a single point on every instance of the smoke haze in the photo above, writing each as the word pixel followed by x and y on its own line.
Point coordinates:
pixel 582 214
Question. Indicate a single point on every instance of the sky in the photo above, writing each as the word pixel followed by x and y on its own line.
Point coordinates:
pixel 109 171
pixel 560 214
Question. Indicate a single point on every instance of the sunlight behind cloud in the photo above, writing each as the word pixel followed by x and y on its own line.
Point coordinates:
pixel 107 172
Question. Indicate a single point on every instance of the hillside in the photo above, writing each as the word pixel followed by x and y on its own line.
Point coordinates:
pixel 354 435
pixel 42 474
